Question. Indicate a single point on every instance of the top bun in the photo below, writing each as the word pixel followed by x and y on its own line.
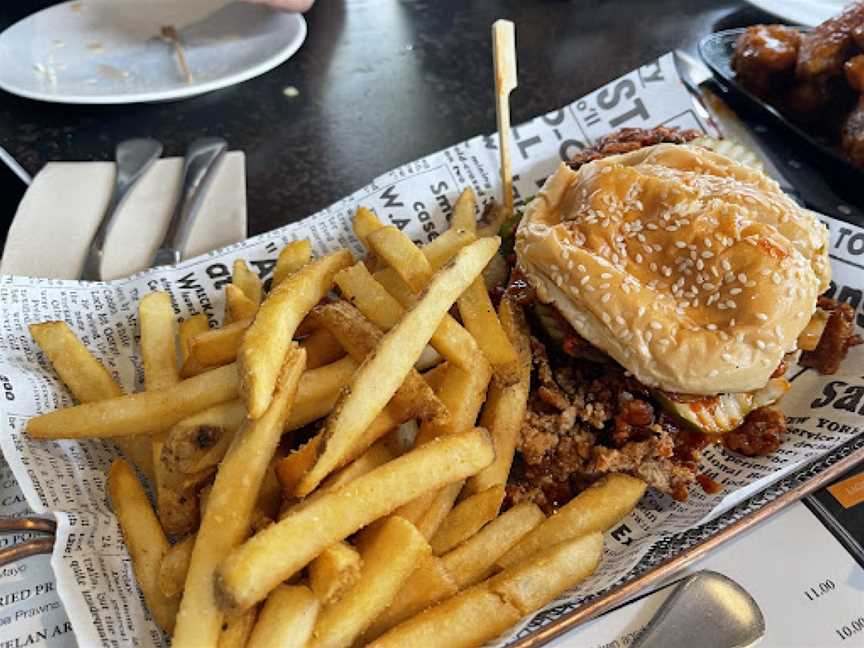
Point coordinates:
pixel 694 272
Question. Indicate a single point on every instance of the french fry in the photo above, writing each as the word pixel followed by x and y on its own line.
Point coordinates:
pixel 390 556
pixel 464 211
pixel 319 389
pixel 467 518
pixel 429 584
pixel 484 611
pixel 145 539
pixel 88 381
pixel 597 508
pixel 142 413
pixel 278 552
pixel 218 346
pixel 334 572
pixel 227 516
pixel 433 514
pixel 200 441
pixel 378 454
pixel 364 223
pixel 381 308
pixel 79 370
pixel 467 620
pixel 534 582
pixel 158 346
pixel 462 392
pixel 478 316
pixel 381 374
pixel 270 494
pixel 397 251
pixel 269 336
pixel 360 338
pixel 474 560
pixel 321 348
pixel 505 407
pixel 292 257
pixel 238 306
pixel 189 328
pixel 286 619
pixel 247 281
pixel 178 509
pixel 236 631
pixel 173 567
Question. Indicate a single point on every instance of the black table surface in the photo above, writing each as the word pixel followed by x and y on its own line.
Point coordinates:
pixel 380 83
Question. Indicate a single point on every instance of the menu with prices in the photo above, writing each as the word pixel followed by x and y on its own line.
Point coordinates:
pixel 809 589
pixel 66 478
pixel 31 613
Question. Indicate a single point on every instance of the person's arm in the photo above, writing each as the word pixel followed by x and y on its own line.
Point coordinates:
pixel 286 5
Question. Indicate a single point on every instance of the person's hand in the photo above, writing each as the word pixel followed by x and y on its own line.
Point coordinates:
pixel 286 5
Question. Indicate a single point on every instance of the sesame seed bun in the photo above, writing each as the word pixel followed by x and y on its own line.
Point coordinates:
pixel 694 272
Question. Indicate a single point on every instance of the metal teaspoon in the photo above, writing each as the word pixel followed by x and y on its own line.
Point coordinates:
pixel 707 610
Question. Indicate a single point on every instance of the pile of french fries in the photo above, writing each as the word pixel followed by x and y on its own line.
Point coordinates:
pixel 385 526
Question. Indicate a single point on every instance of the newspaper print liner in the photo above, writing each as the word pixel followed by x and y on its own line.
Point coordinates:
pixel 679 550
pixel 66 478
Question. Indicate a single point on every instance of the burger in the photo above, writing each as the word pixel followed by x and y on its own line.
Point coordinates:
pixel 668 288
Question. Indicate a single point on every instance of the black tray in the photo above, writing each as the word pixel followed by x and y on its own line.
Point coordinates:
pixel 716 50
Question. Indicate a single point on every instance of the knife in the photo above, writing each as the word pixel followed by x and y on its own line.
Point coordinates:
pixel 708 95
pixel 200 162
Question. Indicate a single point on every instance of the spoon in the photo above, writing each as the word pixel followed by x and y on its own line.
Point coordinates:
pixel 707 610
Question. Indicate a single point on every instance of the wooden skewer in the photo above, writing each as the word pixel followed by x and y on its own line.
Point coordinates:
pixel 504 60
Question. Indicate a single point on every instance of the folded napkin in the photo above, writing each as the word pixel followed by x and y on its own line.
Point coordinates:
pixel 62 208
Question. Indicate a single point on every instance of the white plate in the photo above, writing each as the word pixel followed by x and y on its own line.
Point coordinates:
pixel 802 12
pixel 108 51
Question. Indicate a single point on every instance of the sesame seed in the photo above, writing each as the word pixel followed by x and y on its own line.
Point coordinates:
pixel 680 244
pixel 731 304
pixel 762 316
pixel 709 286
pixel 641 311
pixel 713 373
pixel 735 291
pixel 760 344
pixel 726 265
pixel 606 318
pixel 707 254
pixel 605 275
pixel 638 258
pixel 584 280
pixel 656 325
pixel 648 336
pixel 742 277
pixel 581 268
pixel 605 298
pixel 776 278
pixel 711 327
